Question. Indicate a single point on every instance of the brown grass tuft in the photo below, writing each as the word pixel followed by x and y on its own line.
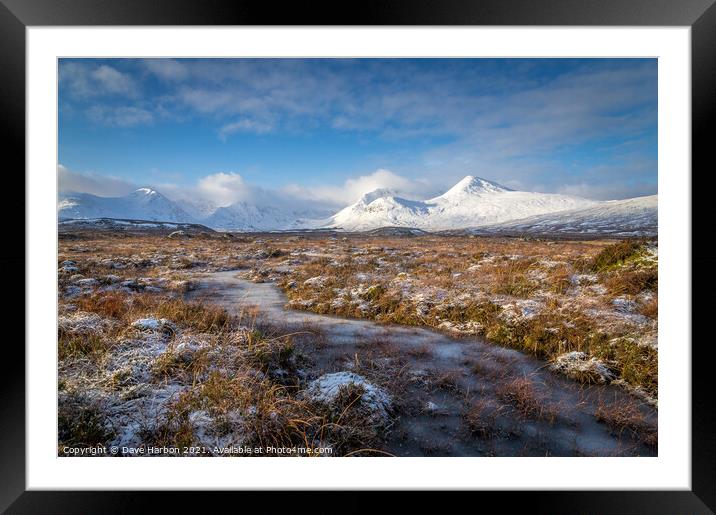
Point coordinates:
pixel 523 396
pixel 480 417
pixel 626 417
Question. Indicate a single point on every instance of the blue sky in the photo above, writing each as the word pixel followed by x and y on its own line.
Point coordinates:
pixel 327 130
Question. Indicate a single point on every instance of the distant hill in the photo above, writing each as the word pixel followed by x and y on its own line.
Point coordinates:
pixel 630 217
pixel 125 225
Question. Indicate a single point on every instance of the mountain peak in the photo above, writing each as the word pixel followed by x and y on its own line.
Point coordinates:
pixel 145 191
pixel 472 184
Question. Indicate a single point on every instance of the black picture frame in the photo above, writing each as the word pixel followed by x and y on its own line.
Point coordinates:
pixel 700 15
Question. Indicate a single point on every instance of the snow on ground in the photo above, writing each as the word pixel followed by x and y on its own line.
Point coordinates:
pixel 153 324
pixel 327 388
pixel 81 322
pixel 577 363
pixel 317 281
pixel 134 399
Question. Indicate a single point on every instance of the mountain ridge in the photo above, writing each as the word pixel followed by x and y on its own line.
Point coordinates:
pixel 636 216
pixel 141 204
pixel 472 203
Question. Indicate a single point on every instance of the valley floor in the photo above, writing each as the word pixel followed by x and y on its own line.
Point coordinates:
pixel 517 347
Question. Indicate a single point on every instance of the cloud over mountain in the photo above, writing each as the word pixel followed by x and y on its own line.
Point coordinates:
pixel 353 188
pixel 93 183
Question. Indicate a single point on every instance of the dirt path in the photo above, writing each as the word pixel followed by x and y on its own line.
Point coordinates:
pixel 456 397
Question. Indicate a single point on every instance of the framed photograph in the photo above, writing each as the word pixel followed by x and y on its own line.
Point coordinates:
pixel 444 248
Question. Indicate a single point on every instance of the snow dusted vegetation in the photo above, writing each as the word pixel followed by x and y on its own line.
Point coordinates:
pixel 327 389
pixel 472 203
pixel 338 344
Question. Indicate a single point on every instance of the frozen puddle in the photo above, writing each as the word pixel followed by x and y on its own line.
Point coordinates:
pixel 459 397
pixel 237 294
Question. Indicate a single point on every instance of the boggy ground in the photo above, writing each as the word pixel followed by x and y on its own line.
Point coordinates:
pixel 151 352
pixel 590 308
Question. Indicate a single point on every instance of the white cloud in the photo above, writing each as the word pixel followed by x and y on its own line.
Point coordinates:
pixel 84 80
pixel 114 81
pixel 123 116
pixel 167 69
pixel 94 183
pixel 244 125
pixel 206 101
pixel 224 188
pixel 353 188
pixel 609 191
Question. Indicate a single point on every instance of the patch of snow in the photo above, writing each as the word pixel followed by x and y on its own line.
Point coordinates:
pixel 154 324
pixel 579 279
pixel 599 289
pixel 577 363
pixel 109 263
pixel 326 389
pixel 649 339
pixel 338 303
pixel 72 291
pixel 624 304
pixel 470 327
pixel 521 309
pixel 187 346
pixel 82 322
pixel 87 283
pixel 430 407
pixel 317 281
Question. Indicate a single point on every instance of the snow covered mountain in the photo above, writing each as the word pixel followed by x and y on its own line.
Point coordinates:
pixel 472 202
pixel 150 205
pixel 198 209
pixel 141 204
pixel 243 216
pixel 630 217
